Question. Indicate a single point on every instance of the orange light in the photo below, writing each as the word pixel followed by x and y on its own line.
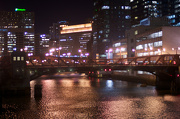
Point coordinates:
pixel 77 28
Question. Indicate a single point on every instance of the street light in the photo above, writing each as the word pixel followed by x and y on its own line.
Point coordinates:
pixel 79 52
pixel 69 54
pixel 109 51
pixel 87 54
pixel 25 49
pixel 176 49
pixel 59 50
pixel 134 50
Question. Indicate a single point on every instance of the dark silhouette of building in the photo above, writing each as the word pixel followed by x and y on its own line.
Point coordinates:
pixel 110 21
pixel 54 32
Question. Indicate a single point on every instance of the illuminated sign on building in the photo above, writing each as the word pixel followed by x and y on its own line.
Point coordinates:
pixel 77 28
pixel 20 10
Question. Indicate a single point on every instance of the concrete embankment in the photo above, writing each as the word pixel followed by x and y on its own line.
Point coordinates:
pixel 143 79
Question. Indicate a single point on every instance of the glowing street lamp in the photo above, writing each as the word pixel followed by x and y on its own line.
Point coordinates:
pixel 59 50
pixel 134 50
pixel 80 52
pixel 25 49
pixel 87 54
pixel 109 51
pixel 51 51
pixel 69 54
pixel 47 54
pixel 176 49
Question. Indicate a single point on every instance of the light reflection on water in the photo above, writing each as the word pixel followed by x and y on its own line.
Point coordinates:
pixel 69 98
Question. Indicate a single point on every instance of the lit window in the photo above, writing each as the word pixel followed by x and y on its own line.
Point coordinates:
pixel 157 44
pixel 136 32
pixel 22 58
pixel 14 58
pixel 105 7
pixel 18 58
pixel 139 47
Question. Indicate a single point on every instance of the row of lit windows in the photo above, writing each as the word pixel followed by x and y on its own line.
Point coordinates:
pixel 150 36
pixel 18 58
pixel 150 45
pixel 148 53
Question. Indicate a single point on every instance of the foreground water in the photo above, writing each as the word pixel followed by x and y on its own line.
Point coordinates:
pixel 90 98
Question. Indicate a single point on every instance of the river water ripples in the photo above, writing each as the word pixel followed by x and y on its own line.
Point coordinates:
pixel 91 98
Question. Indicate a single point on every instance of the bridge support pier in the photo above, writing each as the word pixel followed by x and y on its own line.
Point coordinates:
pixel 168 81
pixel 18 81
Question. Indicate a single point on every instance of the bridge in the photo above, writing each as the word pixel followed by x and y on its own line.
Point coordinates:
pixel 165 67
pixel 146 63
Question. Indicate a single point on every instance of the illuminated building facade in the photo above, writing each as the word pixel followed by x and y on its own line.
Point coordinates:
pixel 120 49
pixel 74 39
pixel 110 21
pixel 162 40
pixel 42 44
pixel 145 25
pixel 16 31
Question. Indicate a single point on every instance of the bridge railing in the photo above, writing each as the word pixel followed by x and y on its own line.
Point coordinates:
pixel 168 59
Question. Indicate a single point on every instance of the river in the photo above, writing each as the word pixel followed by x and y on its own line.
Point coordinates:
pixel 91 98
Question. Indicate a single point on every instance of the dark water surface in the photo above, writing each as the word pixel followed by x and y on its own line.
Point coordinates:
pixel 89 98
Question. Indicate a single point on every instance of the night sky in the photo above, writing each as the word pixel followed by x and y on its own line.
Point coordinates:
pixel 48 12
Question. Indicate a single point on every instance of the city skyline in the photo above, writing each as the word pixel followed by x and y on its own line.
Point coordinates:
pixel 47 13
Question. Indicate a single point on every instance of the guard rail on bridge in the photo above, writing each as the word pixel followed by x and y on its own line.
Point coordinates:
pixel 155 60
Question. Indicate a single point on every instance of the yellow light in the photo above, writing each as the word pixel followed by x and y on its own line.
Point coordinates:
pixel 77 28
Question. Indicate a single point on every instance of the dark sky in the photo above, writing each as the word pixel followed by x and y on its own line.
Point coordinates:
pixel 48 12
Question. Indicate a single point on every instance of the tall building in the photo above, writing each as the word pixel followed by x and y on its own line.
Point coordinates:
pixel 141 9
pixel 145 25
pixel 54 32
pixel 42 44
pixel 110 21
pixel 170 8
pixel 74 39
pixel 16 31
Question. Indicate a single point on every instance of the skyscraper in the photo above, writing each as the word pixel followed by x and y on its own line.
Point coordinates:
pixel 110 21
pixel 171 9
pixel 16 31
pixel 54 32
pixel 74 39
pixel 141 9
